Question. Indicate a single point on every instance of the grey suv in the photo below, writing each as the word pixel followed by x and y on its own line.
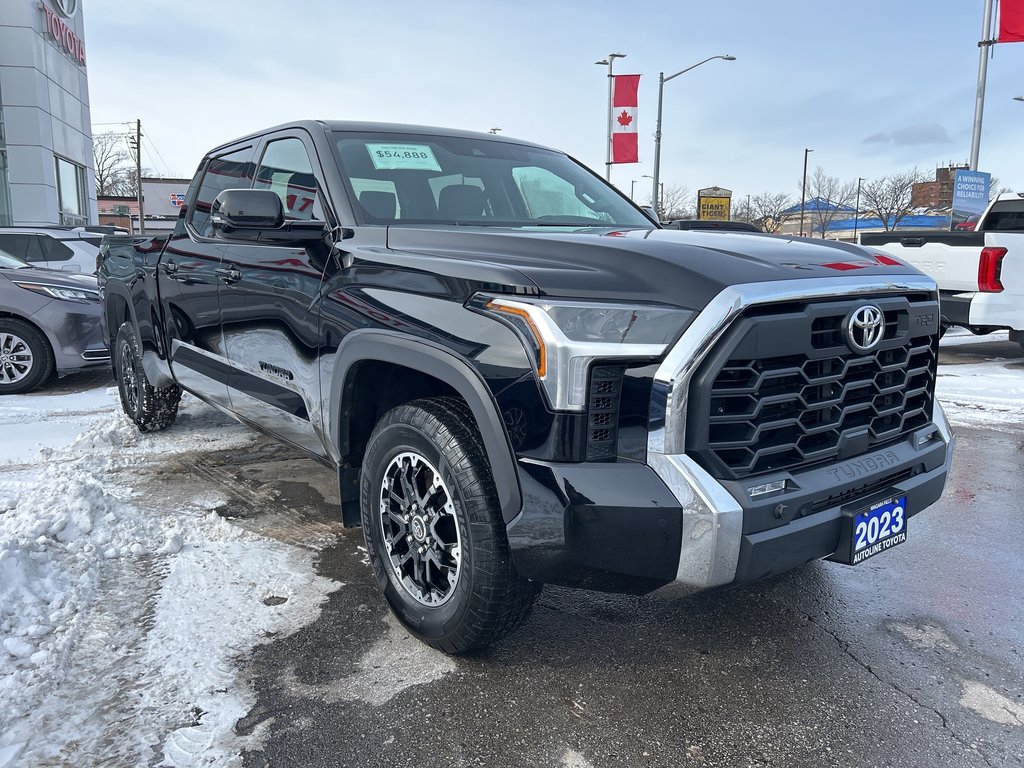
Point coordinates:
pixel 49 321
pixel 69 249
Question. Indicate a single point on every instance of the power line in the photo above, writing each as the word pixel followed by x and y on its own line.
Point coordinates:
pixel 152 146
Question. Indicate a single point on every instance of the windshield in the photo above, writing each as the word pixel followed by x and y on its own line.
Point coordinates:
pixel 10 262
pixel 401 178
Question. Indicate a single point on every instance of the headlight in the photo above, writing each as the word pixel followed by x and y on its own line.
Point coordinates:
pixel 565 337
pixel 61 292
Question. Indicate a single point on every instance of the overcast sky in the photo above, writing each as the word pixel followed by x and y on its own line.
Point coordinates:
pixel 872 87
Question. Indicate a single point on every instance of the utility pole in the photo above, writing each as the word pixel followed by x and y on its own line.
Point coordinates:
pixel 856 213
pixel 138 174
pixel 985 44
pixel 609 60
pixel 803 192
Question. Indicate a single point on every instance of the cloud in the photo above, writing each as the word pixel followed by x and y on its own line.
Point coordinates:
pixel 912 135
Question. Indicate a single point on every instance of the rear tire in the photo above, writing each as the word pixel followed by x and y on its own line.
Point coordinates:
pixel 26 359
pixel 434 531
pixel 151 408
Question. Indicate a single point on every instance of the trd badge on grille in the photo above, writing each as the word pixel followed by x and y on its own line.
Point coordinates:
pixel 864 328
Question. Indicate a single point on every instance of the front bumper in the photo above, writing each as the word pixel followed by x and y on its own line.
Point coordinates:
pixel 632 527
pixel 628 526
pixel 75 333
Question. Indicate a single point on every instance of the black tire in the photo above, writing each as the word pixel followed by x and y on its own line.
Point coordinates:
pixel 484 599
pixel 26 358
pixel 151 408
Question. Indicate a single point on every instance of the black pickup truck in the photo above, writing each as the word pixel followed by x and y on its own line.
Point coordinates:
pixel 520 379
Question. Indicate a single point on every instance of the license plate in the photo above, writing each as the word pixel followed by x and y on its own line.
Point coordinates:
pixel 879 528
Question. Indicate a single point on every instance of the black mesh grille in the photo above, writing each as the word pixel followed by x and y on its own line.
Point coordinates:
pixel 603 412
pixel 785 391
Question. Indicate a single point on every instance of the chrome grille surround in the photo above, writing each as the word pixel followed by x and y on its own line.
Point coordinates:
pixel 712 518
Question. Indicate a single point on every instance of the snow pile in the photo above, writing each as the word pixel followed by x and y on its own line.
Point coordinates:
pixel 121 615
pixel 981 394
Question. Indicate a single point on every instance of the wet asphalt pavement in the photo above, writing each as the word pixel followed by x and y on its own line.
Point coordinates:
pixel 913 658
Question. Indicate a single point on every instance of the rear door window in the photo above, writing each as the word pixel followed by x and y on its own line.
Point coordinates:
pixel 22 246
pixel 54 250
pixel 230 171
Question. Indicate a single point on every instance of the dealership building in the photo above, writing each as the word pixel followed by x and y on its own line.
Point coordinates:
pixel 46 166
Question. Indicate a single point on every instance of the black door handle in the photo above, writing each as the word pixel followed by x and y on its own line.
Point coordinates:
pixel 912 242
pixel 169 267
pixel 228 274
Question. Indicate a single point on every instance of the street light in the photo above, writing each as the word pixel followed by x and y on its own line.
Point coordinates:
pixel 608 61
pixel 856 213
pixel 657 131
pixel 803 192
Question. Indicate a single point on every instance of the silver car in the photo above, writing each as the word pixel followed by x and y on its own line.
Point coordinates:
pixel 49 322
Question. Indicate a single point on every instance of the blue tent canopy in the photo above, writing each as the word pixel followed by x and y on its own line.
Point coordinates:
pixel 907 222
pixel 816 204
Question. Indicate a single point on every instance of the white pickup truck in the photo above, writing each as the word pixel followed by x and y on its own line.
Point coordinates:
pixel 980 273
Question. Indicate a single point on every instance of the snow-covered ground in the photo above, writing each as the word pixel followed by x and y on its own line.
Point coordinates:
pixel 989 389
pixel 122 616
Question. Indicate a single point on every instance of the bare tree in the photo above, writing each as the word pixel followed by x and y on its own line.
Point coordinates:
pixel 112 162
pixel 888 197
pixel 830 196
pixel 676 203
pixel 767 210
pixel 996 188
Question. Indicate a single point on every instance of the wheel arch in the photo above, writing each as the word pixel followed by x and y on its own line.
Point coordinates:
pixel 8 315
pixel 431 370
pixel 121 307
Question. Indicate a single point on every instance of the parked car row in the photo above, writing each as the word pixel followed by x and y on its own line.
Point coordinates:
pixel 49 324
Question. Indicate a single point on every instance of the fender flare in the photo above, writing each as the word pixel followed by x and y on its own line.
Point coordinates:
pixel 156 367
pixel 436 361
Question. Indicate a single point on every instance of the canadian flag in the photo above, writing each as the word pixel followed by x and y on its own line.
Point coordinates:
pixel 624 137
pixel 1011 21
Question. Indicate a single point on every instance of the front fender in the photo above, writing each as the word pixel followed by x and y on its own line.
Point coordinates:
pixel 436 361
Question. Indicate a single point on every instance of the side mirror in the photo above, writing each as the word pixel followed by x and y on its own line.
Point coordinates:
pixel 651 213
pixel 258 215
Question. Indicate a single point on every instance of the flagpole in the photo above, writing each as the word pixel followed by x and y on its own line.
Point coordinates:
pixel 979 102
pixel 610 61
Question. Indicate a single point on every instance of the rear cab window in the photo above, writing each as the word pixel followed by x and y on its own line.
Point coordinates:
pixel 1006 216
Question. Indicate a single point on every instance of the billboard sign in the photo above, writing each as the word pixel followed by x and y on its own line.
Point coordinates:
pixel 713 204
pixel 970 198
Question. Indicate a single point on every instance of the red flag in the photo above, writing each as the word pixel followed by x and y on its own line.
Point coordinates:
pixel 1011 21
pixel 624 137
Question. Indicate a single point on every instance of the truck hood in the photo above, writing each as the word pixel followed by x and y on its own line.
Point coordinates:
pixel 686 268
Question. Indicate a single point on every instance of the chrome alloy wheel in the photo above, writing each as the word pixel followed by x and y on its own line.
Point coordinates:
pixel 421 531
pixel 15 358
pixel 129 375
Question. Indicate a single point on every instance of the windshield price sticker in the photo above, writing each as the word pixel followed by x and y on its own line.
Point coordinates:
pixel 406 157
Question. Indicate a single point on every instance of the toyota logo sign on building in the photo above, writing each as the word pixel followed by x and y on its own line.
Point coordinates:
pixel 66 8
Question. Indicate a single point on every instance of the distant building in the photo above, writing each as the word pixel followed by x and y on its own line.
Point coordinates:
pixel 938 193
pixel 162 200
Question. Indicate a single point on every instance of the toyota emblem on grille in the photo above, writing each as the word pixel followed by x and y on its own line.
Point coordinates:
pixel 864 328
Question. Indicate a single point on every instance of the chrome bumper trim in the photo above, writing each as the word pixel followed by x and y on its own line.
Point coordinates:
pixel 712 518
pixel 712 522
